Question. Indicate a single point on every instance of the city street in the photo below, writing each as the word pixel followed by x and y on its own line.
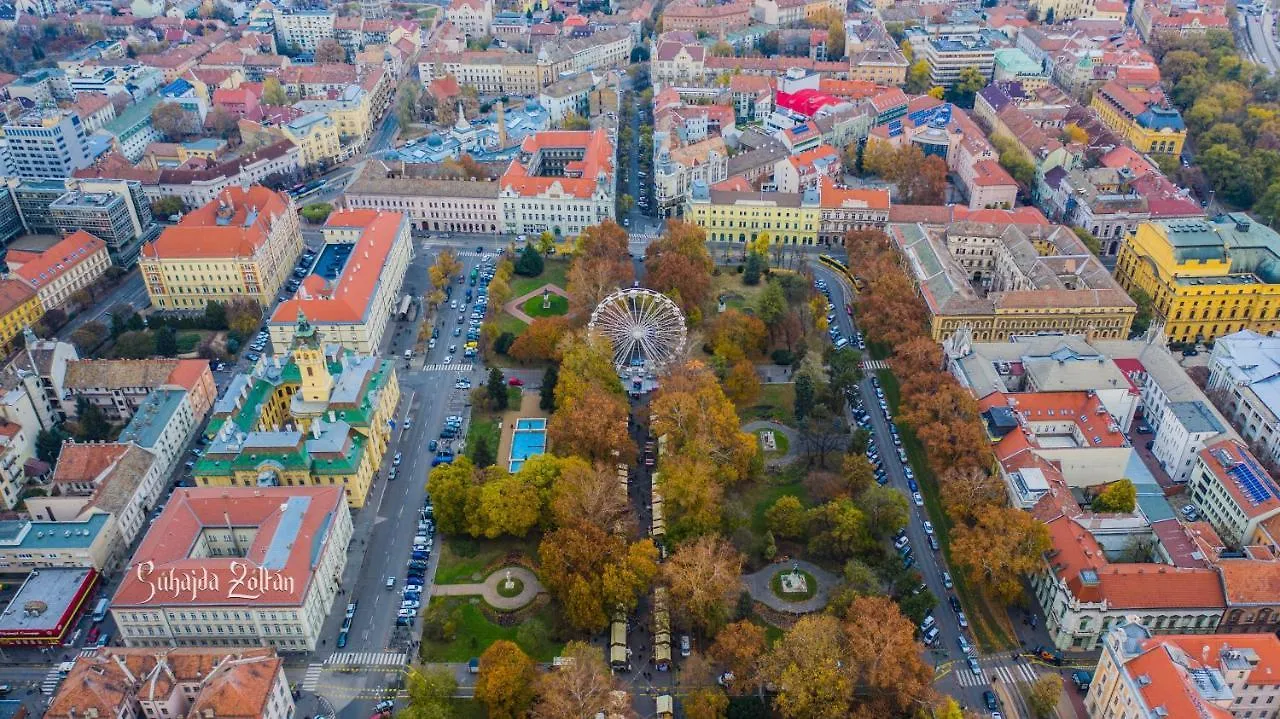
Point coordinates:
pixel 954 674
pixel 352 679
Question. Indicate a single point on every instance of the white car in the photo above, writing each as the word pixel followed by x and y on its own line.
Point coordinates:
pixel 928 526
pixel 915 496
pixel 447 359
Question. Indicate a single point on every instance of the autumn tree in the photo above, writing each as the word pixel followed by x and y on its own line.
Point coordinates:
pixel 739 647
pixel 1119 497
pixel 892 677
pixel 1043 694
pixel 329 51
pixel 706 703
pixel 591 414
pixel 243 316
pixel 734 335
pixel 679 265
pixel 692 409
pixel 1002 546
pixel 505 682
pixel 601 264
pixel 858 474
pixel 590 494
pixel 967 489
pixel 703 576
pixel 174 121
pixel 806 667
pixel 541 340
pixel 594 574
pixel 692 496
pixel 579 687
pixel 742 384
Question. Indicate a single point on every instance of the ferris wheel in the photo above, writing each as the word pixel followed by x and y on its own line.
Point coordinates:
pixel 646 328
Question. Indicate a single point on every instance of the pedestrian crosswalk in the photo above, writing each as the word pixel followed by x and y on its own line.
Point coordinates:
pixel 367 658
pixel 459 367
pixel 311 679
pixel 88 652
pixel 51 682
pixel 1009 674
pixel 874 365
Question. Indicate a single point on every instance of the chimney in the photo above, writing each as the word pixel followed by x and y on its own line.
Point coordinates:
pixel 502 124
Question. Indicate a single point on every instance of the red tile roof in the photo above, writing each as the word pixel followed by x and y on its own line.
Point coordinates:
pixel 40 268
pixel 1078 560
pixel 581 177
pixel 845 197
pixel 83 463
pixel 1168 684
pixel 350 298
pixel 191 510
pixel 202 234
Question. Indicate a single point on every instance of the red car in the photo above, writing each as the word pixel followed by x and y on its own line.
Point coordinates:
pixel 515 382
pixel 848 309
pixel 92 636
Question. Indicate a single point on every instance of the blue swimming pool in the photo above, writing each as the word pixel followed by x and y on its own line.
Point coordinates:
pixel 528 438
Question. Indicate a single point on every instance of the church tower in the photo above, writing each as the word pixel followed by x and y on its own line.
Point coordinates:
pixel 308 354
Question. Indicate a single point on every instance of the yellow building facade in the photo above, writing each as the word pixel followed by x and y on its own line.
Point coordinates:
pixel 316 134
pixel 321 417
pixel 240 246
pixel 738 215
pixel 19 308
pixel 1148 126
pixel 1206 279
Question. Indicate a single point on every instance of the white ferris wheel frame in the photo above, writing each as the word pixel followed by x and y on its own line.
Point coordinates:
pixel 639 319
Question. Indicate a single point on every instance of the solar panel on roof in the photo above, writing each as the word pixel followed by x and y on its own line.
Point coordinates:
pixel 1255 484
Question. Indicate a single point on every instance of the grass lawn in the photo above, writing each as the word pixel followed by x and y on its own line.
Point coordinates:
pixel 483 427
pixel 508 322
pixel 475 633
pixel 463 561
pixel 467 708
pixel 553 273
pixel 771 633
pixel 776 402
pixel 738 295
pixel 533 307
pixel 188 341
pixel 760 496
pixel 991 626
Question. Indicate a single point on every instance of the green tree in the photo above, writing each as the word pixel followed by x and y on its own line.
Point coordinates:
pixel 1146 309
pixel 805 395
pixel 273 92
pixel 166 342
pixel 92 424
pixel 530 263
pixel 167 206
pixel 316 212
pixel 547 393
pixel 971 80
pixel 430 695
pixel 215 315
pixel 135 344
pixel 837 530
pixel 755 266
pixel 1120 497
pixel 574 121
pixel 786 518
pixel 1087 237
pixel 482 452
pixel 49 445
pixel 496 389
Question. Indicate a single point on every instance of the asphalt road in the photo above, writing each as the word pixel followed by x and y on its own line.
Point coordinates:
pixel 131 291
pixel 959 682
pixel 1261 39
pixel 385 527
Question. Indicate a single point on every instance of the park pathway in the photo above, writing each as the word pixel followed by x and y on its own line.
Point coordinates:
pixel 489 589
pixel 793 439
pixel 757 586
pixel 516 306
